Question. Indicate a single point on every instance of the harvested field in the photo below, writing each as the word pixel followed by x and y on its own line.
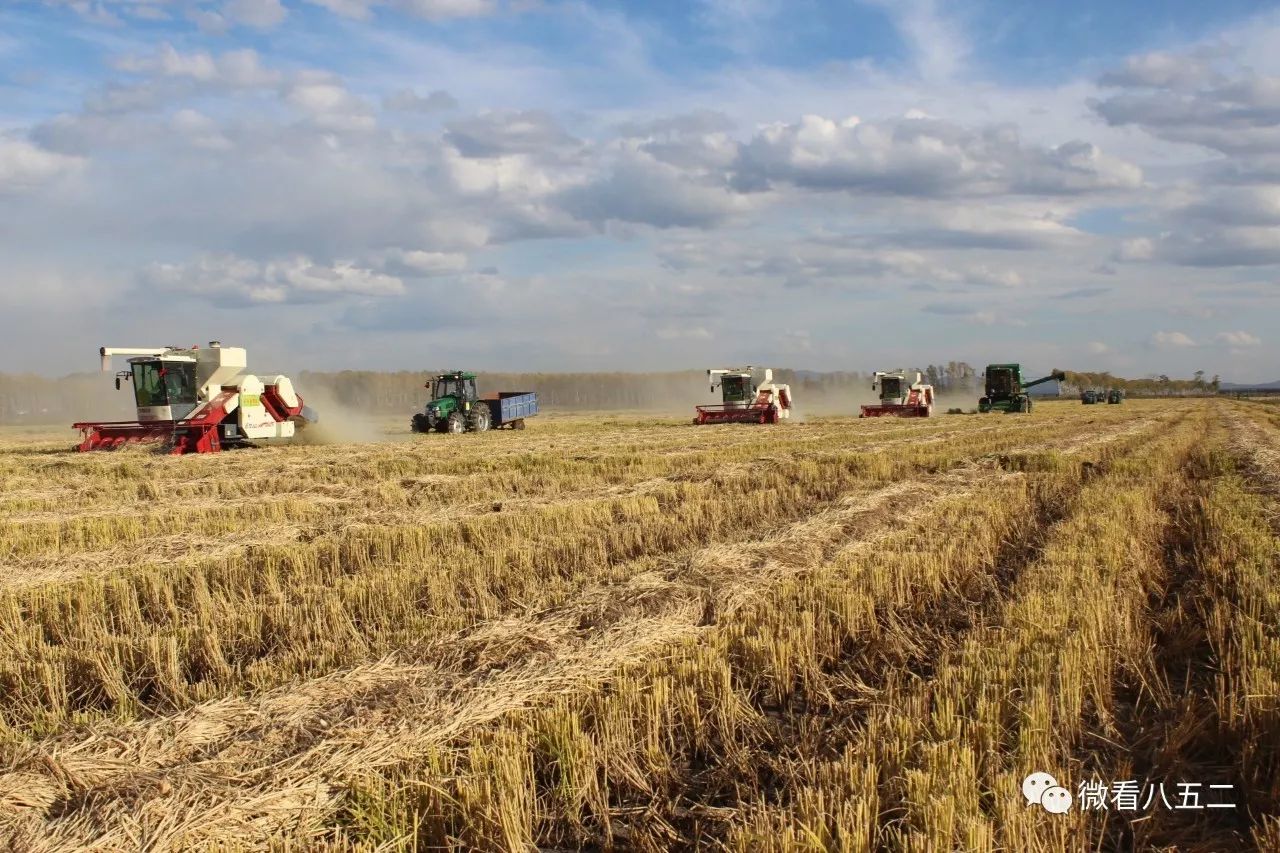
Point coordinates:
pixel 633 633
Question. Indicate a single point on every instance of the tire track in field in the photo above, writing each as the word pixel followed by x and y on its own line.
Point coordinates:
pixel 237 766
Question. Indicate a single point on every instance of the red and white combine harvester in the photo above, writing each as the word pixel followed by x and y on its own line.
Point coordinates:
pixel 743 400
pixel 198 400
pixel 898 398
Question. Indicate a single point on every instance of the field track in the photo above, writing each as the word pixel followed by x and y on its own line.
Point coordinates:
pixel 629 632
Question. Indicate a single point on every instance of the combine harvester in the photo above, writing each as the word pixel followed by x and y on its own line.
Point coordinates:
pixel 197 400
pixel 898 398
pixel 1005 390
pixel 743 400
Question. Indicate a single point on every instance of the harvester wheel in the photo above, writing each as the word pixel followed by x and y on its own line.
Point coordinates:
pixel 1026 407
pixel 456 422
pixel 479 418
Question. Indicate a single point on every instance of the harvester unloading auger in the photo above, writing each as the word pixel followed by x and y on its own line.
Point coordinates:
pixel 898 397
pixel 197 400
pixel 743 400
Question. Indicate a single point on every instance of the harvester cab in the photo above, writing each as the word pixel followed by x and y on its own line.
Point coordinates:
pixel 900 396
pixel 198 399
pixel 744 399
pixel 1005 390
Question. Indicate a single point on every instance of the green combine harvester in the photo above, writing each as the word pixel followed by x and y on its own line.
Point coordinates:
pixel 1005 390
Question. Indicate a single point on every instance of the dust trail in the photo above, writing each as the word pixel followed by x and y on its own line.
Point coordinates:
pixel 340 423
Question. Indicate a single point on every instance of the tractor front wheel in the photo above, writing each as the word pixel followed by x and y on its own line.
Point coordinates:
pixel 420 423
pixel 456 422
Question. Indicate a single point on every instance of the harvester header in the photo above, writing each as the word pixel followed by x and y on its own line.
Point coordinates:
pixel 198 400
pixel 743 399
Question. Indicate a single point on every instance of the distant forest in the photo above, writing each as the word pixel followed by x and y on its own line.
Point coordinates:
pixel 33 399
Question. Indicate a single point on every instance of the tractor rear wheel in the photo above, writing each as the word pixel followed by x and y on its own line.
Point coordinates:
pixel 478 418
pixel 456 422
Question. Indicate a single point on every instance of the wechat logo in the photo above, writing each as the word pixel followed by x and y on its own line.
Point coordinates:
pixel 1043 790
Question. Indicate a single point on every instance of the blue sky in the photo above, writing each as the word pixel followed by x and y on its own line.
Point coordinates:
pixel 618 185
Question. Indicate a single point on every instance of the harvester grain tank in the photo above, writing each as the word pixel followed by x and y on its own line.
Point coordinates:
pixel 1005 390
pixel 198 400
pixel 900 396
pixel 1115 396
pixel 743 399
pixel 456 407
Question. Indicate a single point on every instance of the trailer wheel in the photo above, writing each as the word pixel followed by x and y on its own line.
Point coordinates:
pixel 456 422
pixel 518 424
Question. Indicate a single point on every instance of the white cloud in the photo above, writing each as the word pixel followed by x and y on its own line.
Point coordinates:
pixel 1237 339
pixel 408 100
pixel 259 14
pixel 922 157
pixel 1163 340
pixel 416 262
pixel 216 278
pixel 1136 249
pixel 938 45
pixel 670 333
pixel 24 166
pixel 433 10
pixel 1097 347
pixel 240 69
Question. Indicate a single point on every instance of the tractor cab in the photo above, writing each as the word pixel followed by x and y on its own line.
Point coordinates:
pixel 459 386
pixel 165 388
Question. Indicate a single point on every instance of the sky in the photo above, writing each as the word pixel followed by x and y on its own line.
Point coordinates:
pixel 662 185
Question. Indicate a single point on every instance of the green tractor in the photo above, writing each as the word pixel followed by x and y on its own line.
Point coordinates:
pixel 1114 396
pixel 1005 390
pixel 454 406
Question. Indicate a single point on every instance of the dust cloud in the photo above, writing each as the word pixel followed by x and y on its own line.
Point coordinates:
pixel 339 423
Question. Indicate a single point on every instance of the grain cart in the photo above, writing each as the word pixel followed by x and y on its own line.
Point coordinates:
pixel 900 396
pixel 743 400
pixel 456 407
pixel 198 400
pixel 1114 396
pixel 1005 390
